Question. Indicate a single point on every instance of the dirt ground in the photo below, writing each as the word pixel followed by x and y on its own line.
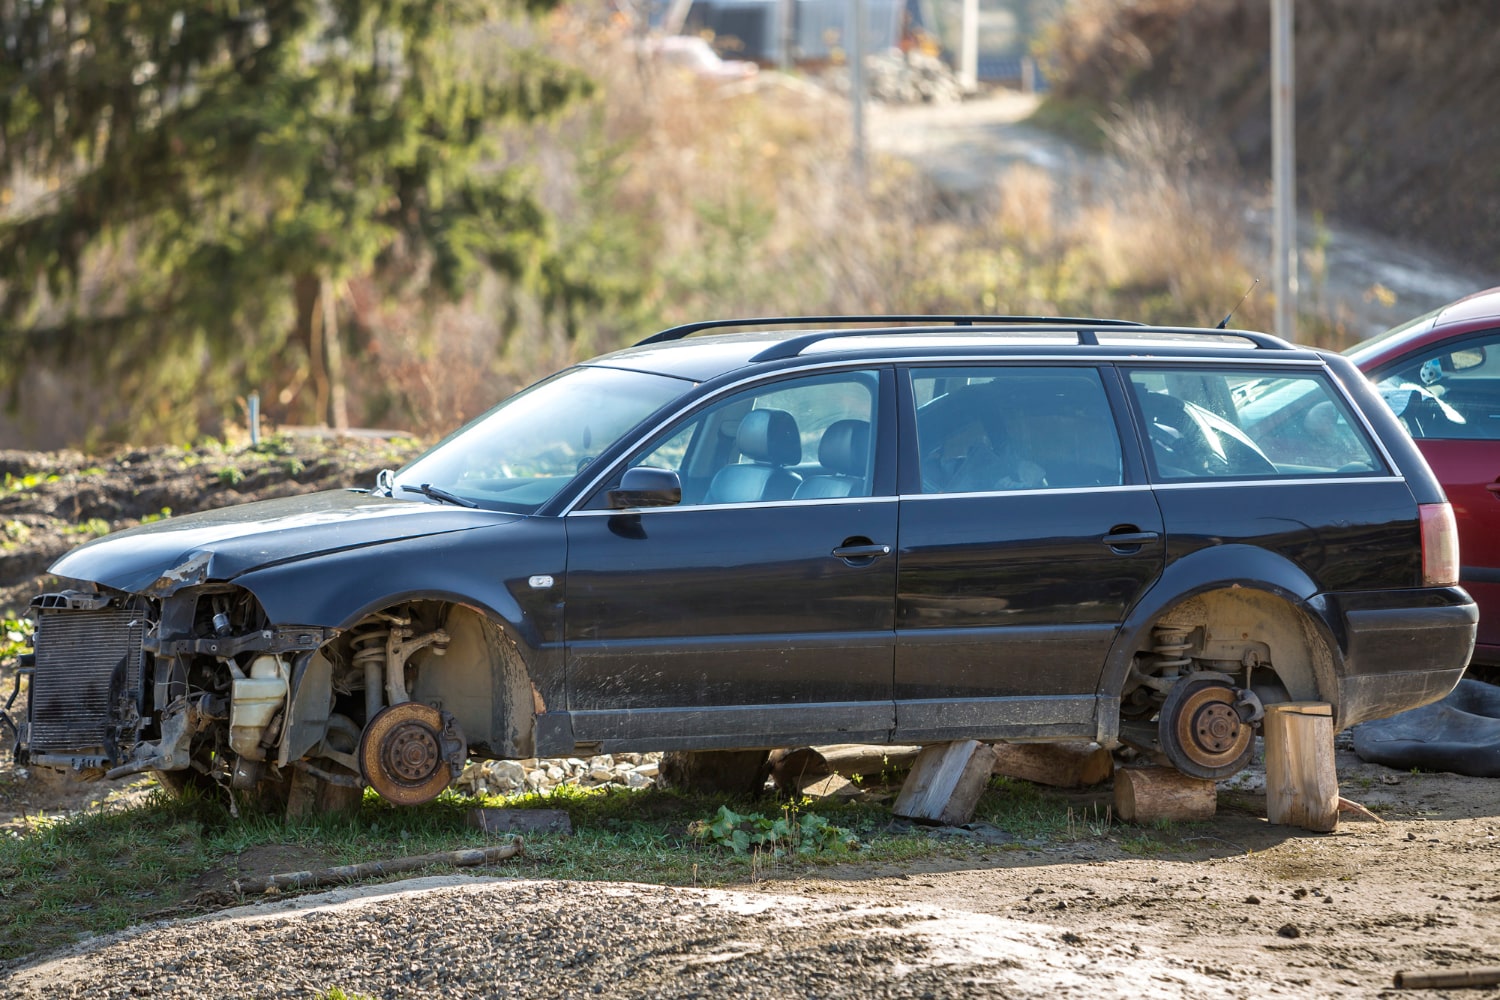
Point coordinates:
pixel 1233 907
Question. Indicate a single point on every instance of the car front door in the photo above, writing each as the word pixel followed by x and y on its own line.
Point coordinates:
pixel 758 611
pixel 1026 535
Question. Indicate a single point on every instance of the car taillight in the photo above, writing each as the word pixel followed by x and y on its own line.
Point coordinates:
pixel 1439 545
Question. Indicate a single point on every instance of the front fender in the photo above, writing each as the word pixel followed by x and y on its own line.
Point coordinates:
pixel 499 571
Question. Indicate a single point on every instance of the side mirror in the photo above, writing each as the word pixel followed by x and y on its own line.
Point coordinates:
pixel 644 486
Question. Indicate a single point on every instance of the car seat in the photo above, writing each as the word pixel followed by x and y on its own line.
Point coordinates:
pixel 771 441
pixel 844 451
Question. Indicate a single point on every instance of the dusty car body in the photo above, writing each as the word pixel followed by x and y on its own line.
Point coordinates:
pixel 888 530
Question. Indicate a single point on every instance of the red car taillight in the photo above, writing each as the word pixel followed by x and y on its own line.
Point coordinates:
pixel 1439 545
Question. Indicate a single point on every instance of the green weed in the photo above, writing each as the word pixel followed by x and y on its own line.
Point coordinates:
pixel 94 527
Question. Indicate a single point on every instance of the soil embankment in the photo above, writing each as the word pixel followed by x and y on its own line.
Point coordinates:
pixel 1394 107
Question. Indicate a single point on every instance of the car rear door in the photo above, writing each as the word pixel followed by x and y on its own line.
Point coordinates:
pixel 1027 532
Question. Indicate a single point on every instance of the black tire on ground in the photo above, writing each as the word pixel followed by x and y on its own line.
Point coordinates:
pixel 717 772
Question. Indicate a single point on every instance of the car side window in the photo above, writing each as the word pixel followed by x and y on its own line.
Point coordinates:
pixel 1246 425
pixel 991 428
pixel 798 439
pixel 1449 393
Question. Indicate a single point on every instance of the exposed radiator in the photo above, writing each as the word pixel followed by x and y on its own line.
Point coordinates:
pixel 87 678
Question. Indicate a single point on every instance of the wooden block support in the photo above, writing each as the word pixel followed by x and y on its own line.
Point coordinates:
pixel 945 783
pixel 1302 785
pixel 1148 794
pixel 1061 765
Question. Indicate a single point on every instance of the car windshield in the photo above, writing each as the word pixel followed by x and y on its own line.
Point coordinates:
pixel 1364 347
pixel 520 454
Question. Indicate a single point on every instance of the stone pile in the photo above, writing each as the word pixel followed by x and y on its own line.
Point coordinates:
pixel 513 777
pixel 912 78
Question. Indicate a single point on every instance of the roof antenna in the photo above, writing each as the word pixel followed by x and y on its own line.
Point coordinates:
pixel 1224 323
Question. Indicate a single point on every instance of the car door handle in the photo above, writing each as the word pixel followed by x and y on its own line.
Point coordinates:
pixel 862 551
pixel 1124 538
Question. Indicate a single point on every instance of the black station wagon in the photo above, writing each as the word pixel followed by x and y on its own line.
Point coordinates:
pixel 788 532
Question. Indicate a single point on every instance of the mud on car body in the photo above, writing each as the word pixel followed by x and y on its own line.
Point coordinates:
pixel 880 530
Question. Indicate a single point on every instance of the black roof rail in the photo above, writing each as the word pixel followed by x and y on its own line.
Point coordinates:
pixel 687 329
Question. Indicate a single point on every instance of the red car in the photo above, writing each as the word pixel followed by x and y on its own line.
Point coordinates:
pixel 1441 374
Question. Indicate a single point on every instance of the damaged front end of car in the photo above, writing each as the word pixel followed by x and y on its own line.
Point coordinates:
pixel 189 680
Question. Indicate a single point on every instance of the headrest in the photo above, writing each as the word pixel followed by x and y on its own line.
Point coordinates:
pixel 770 436
pixel 845 448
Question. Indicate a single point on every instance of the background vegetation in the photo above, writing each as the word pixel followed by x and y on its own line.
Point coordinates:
pixel 432 210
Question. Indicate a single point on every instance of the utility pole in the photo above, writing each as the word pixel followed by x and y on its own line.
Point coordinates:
pixel 1283 170
pixel 857 83
pixel 968 47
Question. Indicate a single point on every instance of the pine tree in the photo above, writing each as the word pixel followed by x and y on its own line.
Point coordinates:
pixel 191 184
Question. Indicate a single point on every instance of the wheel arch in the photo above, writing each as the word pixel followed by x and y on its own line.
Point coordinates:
pixel 1240 595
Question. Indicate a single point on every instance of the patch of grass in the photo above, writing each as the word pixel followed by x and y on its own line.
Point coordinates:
pixel 107 869
pixel 231 476
pixel 165 513
pixel 1076 120
pixel 15 637
pixel 15 484
pixel 94 527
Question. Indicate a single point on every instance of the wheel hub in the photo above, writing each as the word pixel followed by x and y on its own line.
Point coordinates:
pixel 1202 731
pixel 410 752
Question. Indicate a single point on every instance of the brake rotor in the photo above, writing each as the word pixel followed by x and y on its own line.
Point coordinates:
pixel 1202 732
pixel 410 752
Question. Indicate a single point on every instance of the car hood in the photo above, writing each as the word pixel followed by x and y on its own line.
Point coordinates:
pixel 222 544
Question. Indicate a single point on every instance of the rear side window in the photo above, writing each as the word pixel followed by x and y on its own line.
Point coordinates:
pixel 1248 425
pixel 988 429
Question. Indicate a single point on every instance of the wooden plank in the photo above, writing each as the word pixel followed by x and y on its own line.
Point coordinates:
pixel 1148 794
pixel 1061 765
pixel 1302 787
pixel 945 783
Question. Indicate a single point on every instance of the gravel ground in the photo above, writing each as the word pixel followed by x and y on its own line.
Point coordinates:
pixel 463 938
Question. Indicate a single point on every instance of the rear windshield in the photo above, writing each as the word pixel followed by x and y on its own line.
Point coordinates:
pixel 1249 425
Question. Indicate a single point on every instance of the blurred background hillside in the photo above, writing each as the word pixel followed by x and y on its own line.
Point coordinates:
pixel 393 215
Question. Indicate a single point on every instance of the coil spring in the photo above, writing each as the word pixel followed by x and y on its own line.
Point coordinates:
pixel 1170 646
pixel 368 645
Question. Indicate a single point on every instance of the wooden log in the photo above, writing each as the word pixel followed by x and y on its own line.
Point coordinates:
pixel 1449 979
pixel 794 769
pixel 377 869
pixel 945 783
pixel 1061 765
pixel 716 772
pixel 1302 786
pixel 1148 794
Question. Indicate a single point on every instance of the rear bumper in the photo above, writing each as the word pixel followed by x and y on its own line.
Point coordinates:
pixel 1402 649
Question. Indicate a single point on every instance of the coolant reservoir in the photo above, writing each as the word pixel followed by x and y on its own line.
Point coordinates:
pixel 253 705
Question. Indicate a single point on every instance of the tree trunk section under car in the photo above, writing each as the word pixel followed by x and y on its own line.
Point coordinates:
pixel 1148 794
pixel 1060 765
pixel 1302 785
pixel 716 772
